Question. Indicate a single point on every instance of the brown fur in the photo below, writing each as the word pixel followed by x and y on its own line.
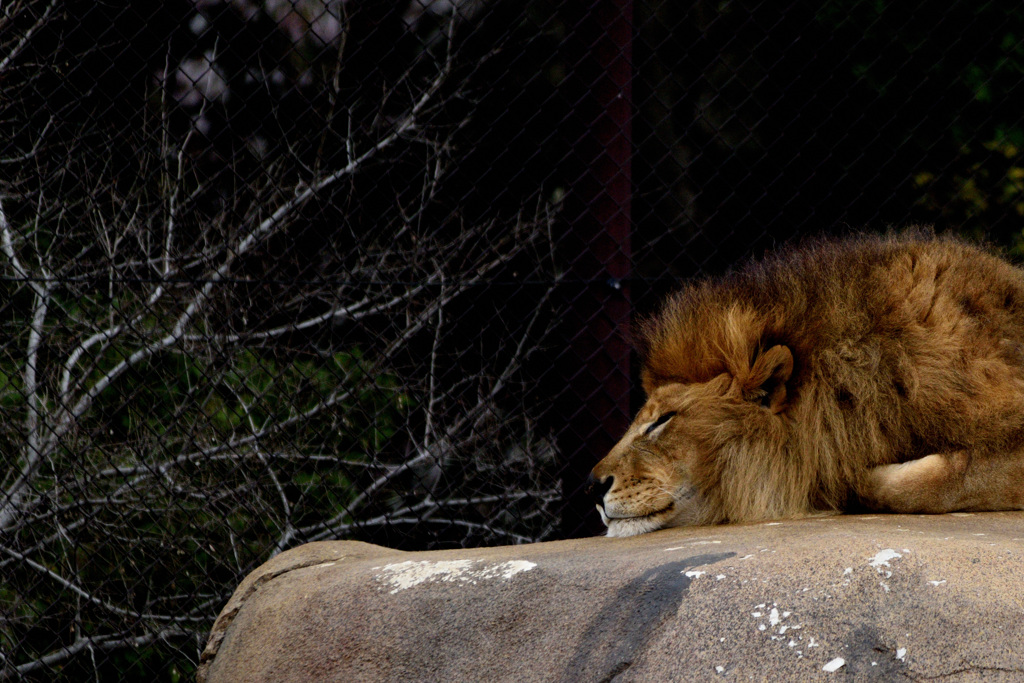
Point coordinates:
pixel 801 384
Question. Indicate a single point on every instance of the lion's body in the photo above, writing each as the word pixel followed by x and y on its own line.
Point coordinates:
pixel 792 385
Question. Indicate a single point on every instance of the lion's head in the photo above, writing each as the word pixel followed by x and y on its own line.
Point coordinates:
pixel 688 451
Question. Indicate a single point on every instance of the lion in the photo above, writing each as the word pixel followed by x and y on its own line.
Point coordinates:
pixel 869 373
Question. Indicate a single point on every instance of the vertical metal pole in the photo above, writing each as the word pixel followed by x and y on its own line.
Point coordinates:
pixel 595 406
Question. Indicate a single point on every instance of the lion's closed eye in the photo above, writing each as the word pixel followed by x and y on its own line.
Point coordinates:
pixel 660 422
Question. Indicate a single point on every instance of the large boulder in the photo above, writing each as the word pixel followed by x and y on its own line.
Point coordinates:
pixel 873 597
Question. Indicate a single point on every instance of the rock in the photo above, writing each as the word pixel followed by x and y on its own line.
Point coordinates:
pixel 868 597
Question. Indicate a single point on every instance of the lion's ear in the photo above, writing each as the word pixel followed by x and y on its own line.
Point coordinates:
pixel 766 382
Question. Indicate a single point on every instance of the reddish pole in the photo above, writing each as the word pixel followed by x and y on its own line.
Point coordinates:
pixel 595 408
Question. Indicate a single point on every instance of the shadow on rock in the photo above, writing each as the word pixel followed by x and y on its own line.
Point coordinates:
pixel 621 630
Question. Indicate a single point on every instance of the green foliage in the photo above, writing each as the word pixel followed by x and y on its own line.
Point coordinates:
pixel 990 181
pixel 11 394
pixel 959 66
pixel 188 522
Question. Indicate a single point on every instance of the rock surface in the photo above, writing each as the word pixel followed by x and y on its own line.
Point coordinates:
pixel 870 598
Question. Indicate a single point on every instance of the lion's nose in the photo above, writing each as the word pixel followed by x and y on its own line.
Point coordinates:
pixel 596 488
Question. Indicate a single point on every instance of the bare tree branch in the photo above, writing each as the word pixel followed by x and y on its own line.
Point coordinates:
pixel 71 586
pixel 106 642
pixel 13 53
pixel 194 393
pixel 33 452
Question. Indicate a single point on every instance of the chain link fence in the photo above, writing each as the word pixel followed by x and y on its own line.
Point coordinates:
pixel 280 271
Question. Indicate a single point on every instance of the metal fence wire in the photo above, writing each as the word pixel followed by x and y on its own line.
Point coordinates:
pixel 280 271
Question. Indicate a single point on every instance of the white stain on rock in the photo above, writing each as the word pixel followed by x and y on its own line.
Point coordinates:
pixel 881 561
pixel 680 547
pixel 883 557
pixel 405 575
pixel 775 628
pixel 834 665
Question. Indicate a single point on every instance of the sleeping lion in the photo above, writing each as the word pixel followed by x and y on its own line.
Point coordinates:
pixel 866 374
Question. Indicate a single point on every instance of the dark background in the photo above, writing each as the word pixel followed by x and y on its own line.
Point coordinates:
pixel 593 154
